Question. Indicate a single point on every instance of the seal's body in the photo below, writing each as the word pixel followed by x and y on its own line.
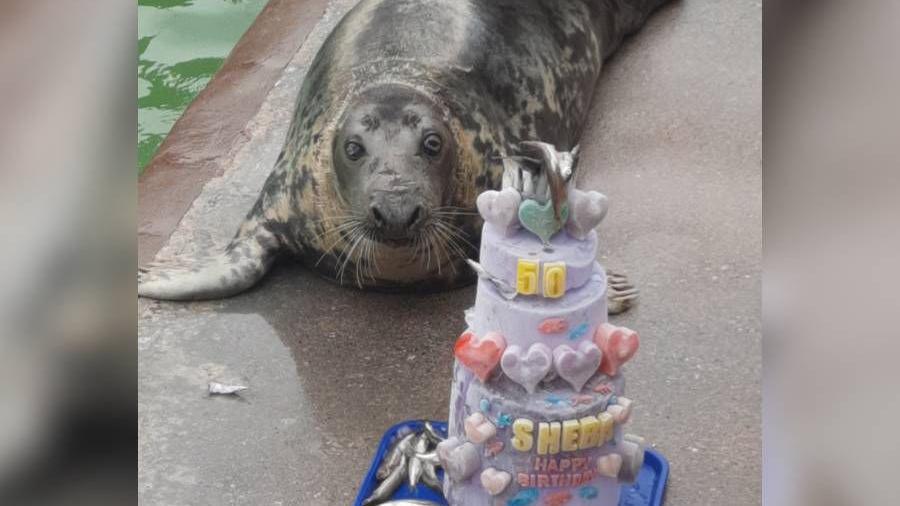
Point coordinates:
pixel 403 119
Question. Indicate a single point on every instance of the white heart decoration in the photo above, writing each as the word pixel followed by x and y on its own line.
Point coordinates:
pixel 494 481
pixel 609 465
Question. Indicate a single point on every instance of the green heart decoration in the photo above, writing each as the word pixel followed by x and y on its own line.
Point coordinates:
pixel 539 219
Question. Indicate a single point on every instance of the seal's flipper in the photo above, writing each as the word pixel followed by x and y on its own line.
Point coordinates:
pixel 620 293
pixel 243 263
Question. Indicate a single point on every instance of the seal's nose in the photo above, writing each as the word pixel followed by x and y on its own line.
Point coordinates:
pixel 397 221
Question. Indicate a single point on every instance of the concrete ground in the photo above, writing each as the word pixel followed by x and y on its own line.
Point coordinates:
pixel 674 140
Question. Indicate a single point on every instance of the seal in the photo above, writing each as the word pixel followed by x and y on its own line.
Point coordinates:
pixel 405 116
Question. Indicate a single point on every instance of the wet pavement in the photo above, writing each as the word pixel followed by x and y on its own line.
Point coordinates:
pixel 674 140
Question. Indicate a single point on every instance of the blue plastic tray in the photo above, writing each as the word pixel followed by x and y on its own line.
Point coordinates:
pixel 647 490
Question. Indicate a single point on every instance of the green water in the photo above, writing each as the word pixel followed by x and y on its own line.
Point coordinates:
pixel 181 44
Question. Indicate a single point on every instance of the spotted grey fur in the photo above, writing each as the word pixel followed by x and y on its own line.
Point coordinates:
pixel 496 71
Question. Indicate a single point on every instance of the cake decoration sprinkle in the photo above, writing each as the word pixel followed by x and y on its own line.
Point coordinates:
pixel 581 399
pixel 485 405
pixel 554 400
pixel 588 492
pixel 504 421
pixel 553 326
pixel 524 497
pixel 492 448
pixel 579 331
pixel 603 388
pixel 558 498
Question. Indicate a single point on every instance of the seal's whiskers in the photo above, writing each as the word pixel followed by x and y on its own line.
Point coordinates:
pixel 455 233
pixel 354 241
pixel 350 223
pixel 449 242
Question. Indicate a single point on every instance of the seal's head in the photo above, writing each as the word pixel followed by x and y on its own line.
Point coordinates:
pixel 394 157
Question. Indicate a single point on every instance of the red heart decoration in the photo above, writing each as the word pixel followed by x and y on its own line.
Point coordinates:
pixel 481 356
pixel 619 344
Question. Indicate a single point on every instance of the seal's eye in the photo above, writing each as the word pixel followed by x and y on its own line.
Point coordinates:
pixel 432 144
pixel 354 150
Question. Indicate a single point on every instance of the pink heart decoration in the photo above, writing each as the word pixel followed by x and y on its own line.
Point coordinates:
pixel 619 344
pixel 480 355
pixel 527 369
pixel 577 366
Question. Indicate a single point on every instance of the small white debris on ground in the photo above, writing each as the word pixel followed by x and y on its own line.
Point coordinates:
pixel 220 389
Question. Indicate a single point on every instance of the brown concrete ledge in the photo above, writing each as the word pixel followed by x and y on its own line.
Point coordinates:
pixel 211 127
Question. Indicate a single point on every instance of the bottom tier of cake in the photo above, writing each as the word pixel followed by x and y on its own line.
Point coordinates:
pixel 553 447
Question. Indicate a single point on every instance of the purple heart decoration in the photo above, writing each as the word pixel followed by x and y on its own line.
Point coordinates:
pixel 576 366
pixel 587 211
pixel 527 368
pixel 500 209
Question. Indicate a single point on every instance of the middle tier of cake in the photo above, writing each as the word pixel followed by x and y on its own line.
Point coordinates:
pixel 527 320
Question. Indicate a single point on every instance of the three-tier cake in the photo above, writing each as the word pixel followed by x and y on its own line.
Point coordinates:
pixel 537 402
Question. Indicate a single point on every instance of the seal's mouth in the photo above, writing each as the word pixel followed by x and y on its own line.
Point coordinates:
pixel 396 242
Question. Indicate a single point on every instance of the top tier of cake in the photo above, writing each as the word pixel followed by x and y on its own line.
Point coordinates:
pixel 521 260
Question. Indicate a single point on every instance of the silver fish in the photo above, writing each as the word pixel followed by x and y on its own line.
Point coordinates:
pixel 429 458
pixel 390 484
pixel 390 461
pixel 415 465
pixel 506 290
pixel 429 477
pixel 432 434
pixel 557 166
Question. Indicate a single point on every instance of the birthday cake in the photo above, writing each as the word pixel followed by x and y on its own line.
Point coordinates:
pixel 538 403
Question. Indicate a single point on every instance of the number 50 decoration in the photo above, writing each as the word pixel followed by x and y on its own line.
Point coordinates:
pixel 554 278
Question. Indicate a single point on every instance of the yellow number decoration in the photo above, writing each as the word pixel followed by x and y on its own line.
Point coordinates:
pixel 527 277
pixel 554 279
